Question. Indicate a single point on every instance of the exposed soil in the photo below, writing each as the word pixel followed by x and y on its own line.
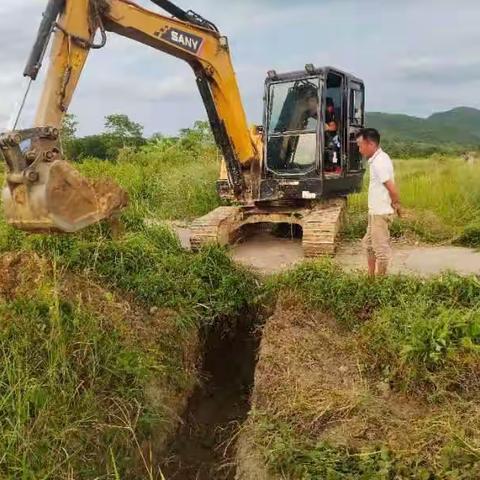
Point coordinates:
pixel 268 254
pixel 203 448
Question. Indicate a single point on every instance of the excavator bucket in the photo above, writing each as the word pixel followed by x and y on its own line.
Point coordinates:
pixel 61 201
pixel 52 196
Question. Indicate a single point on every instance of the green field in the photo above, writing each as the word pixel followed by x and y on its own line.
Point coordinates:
pixel 440 197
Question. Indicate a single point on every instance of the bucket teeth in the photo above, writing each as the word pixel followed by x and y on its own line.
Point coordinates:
pixel 44 193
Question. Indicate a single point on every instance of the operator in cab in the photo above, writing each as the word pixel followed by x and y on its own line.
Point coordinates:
pixel 330 119
pixel 332 140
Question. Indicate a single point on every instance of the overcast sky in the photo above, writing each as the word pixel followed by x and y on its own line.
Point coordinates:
pixel 416 57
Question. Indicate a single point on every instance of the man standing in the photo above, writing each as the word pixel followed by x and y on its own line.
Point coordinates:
pixel 383 201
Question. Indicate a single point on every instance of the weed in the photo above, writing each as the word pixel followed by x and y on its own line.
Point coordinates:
pixel 85 388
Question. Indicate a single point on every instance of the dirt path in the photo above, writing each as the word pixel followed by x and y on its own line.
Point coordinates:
pixel 268 254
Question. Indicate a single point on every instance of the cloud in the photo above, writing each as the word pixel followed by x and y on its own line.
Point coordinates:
pixel 415 57
pixel 446 71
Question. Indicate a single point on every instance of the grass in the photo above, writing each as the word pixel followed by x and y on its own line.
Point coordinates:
pixel 164 183
pixel 303 458
pixel 79 365
pixel 69 388
pixel 441 200
pixel 362 379
pixel 99 337
pixel 419 333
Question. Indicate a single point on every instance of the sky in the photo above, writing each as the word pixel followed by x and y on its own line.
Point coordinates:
pixel 415 56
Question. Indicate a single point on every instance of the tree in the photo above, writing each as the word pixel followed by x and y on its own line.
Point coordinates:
pixel 197 138
pixel 121 128
pixel 68 133
pixel 91 146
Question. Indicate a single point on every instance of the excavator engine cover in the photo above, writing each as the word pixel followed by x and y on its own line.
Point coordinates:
pixel 44 193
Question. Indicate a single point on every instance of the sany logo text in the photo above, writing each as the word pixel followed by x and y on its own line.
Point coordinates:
pixel 185 40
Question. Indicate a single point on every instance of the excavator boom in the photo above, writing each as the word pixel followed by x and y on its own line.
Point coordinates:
pixel 43 192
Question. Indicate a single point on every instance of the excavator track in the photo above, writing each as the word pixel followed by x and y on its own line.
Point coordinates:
pixel 321 228
pixel 321 225
pixel 217 227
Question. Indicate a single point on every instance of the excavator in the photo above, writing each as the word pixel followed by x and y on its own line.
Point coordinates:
pixel 290 170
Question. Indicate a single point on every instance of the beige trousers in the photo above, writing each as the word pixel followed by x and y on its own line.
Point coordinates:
pixel 377 239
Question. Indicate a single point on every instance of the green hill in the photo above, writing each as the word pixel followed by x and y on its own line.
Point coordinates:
pixel 459 126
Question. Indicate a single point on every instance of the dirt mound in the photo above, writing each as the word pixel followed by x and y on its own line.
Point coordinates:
pixel 318 410
pixel 308 351
pixel 26 276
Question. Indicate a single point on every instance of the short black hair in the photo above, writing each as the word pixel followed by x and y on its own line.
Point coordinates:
pixel 370 134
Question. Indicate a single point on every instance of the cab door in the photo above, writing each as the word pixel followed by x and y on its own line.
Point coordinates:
pixel 355 122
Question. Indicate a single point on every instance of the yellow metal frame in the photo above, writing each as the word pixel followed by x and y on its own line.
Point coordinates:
pixel 68 57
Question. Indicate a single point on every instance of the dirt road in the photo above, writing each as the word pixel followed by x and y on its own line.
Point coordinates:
pixel 268 254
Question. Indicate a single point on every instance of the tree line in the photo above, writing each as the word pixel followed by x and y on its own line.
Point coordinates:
pixel 120 133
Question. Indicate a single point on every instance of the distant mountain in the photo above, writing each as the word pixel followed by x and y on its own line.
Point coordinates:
pixel 457 126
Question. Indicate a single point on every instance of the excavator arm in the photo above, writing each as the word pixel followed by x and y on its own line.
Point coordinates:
pixel 43 192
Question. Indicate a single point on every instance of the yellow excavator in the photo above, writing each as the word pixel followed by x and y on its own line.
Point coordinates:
pixel 295 168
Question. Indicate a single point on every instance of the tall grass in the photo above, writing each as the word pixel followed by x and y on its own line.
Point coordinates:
pixel 163 183
pixel 68 380
pixel 441 198
pixel 86 391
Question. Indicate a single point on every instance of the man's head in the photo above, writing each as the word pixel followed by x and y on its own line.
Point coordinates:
pixel 368 141
pixel 330 105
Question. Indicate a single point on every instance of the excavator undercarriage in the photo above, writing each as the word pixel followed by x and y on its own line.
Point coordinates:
pixel 320 223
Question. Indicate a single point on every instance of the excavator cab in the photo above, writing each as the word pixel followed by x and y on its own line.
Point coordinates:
pixel 310 124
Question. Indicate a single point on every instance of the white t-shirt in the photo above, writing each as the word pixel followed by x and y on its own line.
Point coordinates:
pixel 381 170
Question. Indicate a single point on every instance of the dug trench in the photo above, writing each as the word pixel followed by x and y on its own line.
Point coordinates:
pixel 204 445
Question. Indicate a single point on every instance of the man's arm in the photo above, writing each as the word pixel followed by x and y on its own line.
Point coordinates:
pixel 331 126
pixel 394 196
